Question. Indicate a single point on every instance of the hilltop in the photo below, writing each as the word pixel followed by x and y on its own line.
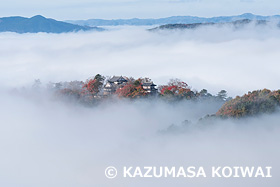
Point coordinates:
pixel 38 24
pixel 251 104
pixel 235 24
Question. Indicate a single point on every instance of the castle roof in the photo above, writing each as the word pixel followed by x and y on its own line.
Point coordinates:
pixel 117 79
pixel 148 84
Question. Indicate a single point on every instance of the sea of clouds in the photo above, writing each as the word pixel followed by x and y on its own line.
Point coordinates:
pixel 211 58
pixel 45 142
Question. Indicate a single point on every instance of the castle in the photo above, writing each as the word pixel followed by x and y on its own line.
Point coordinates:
pixel 117 82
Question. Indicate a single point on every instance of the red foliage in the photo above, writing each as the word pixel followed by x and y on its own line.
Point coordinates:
pixel 132 89
pixel 176 88
pixel 90 87
pixel 93 86
pixel 260 101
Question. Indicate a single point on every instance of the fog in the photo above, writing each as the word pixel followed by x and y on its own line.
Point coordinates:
pixel 49 143
pixel 46 142
pixel 211 58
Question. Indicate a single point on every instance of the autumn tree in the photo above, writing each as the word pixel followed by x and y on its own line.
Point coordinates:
pixel 93 86
pixel 132 89
pixel 253 103
pixel 176 88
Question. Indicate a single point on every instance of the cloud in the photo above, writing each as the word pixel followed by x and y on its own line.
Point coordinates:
pixel 45 142
pixel 48 143
pixel 210 58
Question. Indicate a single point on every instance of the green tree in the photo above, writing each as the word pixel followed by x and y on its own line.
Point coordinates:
pixel 222 95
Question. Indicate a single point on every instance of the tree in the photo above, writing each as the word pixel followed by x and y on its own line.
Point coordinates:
pixel 222 95
pixel 204 93
pixel 176 88
pixel 132 89
pixel 92 87
pixel 256 102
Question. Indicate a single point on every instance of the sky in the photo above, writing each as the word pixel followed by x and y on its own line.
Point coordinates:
pixel 113 9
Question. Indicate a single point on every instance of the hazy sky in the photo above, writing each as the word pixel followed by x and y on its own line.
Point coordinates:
pixel 84 9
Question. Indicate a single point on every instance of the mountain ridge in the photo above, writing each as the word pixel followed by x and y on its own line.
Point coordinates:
pixel 235 24
pixel 38 24
pixel 170 20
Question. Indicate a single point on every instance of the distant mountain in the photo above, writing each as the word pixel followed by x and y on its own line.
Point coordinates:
pixel 39 24
pixel 236 24
pixel 170 20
